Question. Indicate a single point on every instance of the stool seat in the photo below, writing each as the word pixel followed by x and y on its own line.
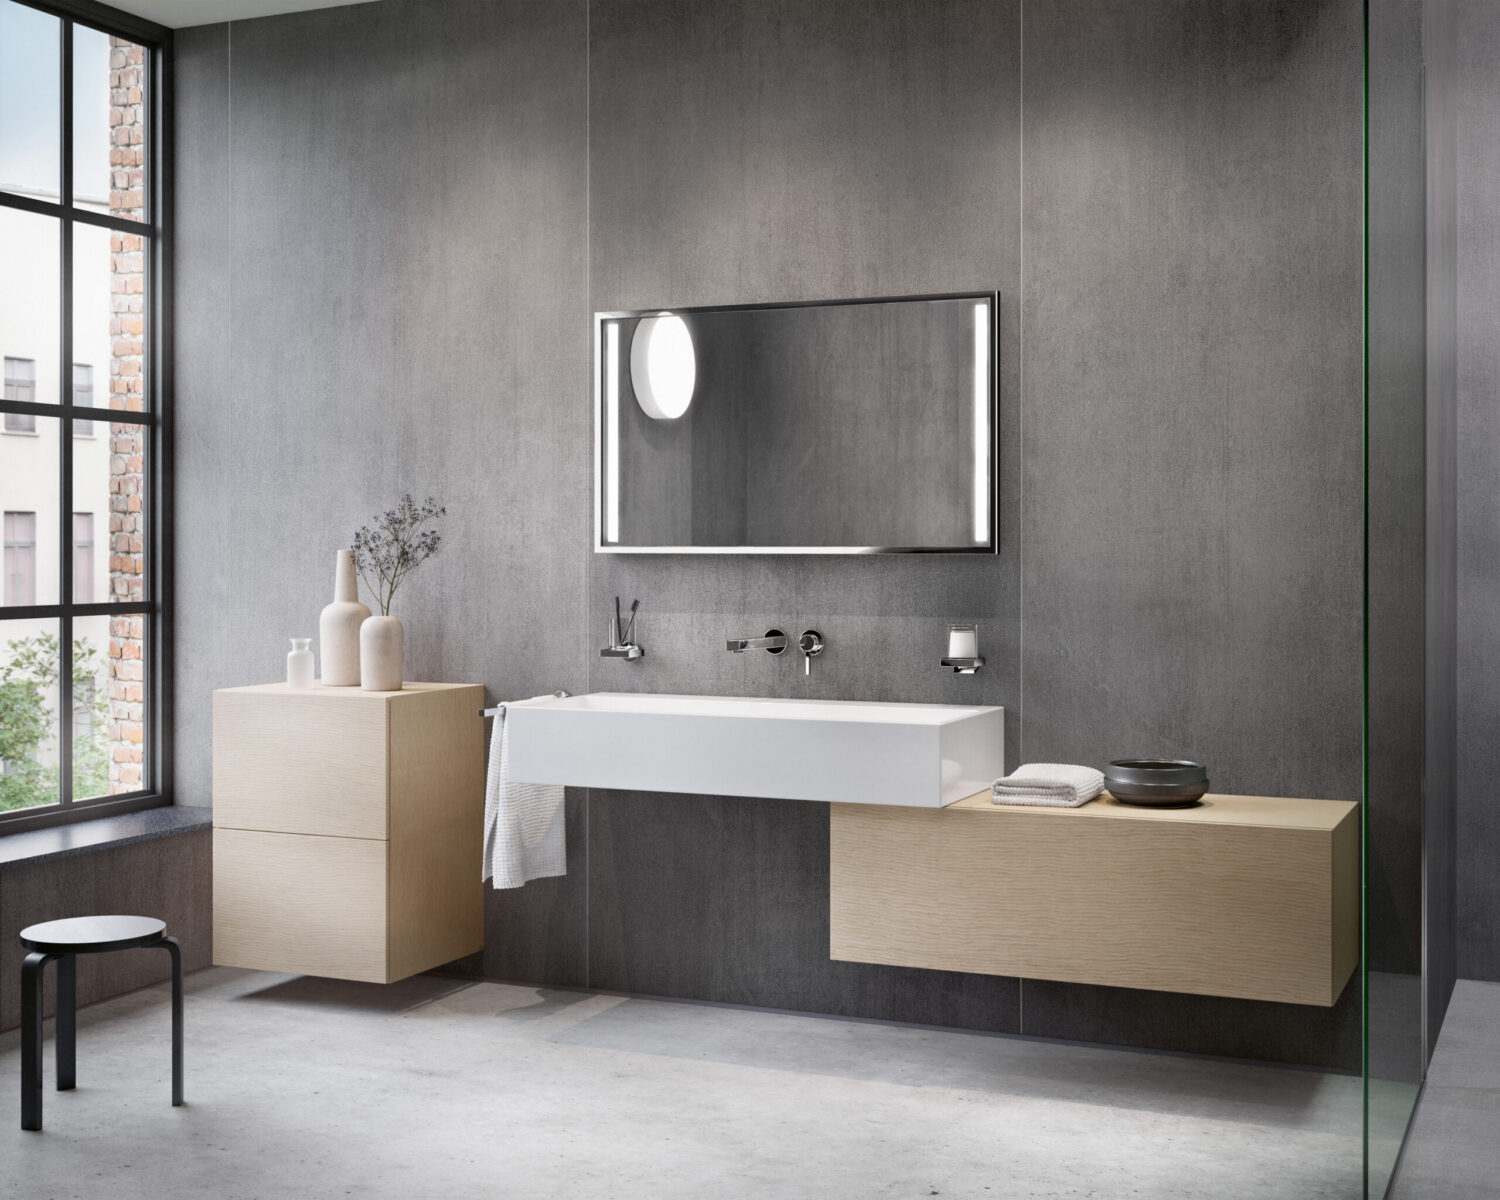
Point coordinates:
pixel 61 942
pixel 92 935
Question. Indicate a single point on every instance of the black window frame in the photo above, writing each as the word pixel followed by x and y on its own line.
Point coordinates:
pixel 154 607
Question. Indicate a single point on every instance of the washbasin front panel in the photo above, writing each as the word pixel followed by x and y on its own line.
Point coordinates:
pixel 849 752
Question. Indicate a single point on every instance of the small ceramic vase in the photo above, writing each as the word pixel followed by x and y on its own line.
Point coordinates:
pixel 381 646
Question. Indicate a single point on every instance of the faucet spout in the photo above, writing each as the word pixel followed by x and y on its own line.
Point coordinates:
pixel 774 641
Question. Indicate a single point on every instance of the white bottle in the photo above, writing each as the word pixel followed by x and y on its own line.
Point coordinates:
pixel 338 627
pixel 299 664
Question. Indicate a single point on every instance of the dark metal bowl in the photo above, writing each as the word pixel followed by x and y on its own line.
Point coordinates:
pixel 1153 771
pixel 1158 795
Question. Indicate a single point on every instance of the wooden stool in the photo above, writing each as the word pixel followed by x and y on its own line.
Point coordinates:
pixel 62 940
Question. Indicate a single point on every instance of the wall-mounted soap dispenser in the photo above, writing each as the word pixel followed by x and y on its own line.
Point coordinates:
pixel 963 649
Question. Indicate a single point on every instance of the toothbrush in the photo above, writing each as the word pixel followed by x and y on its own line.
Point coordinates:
pixel 618 640
pixel 634 605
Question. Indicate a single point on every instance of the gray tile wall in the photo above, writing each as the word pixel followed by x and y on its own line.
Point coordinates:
pixel 1478 218
pixel 168 878
pixel 1440 41
pixel 384 287
pixel 1180 434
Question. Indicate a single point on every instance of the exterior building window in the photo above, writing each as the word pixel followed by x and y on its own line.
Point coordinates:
pixel 83 395
pixel 86 257
pixel 20 558
pixel 83 558
pixel 20 386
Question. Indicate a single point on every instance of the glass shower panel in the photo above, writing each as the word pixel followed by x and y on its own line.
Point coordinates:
pixel 1408 712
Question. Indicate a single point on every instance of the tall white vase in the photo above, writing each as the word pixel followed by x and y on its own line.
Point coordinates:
pixel 338 627
pixel 382 642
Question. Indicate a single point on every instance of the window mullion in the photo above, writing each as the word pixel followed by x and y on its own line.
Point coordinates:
pixel 65 437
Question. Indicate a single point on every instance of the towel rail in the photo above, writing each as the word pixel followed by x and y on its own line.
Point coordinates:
pixel 496 710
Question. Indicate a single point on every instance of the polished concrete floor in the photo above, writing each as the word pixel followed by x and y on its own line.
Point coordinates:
pixel 1453 1151
pixel 441 1088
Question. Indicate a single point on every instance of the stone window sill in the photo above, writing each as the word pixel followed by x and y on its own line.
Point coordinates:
pixel 103 833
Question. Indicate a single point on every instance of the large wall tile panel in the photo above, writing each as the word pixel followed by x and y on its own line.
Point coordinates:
pixel 407 310
pixel 201 501
pixel 752 151
pixel 1191 518
pixel 1478 215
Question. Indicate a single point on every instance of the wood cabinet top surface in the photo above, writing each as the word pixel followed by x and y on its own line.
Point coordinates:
pixel 1273 811
pixel 351 693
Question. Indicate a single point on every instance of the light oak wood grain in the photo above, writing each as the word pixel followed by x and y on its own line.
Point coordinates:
pixel 292 761
pixel 1252 897
pixel 300 903
pixel 325 783
pixel 437 831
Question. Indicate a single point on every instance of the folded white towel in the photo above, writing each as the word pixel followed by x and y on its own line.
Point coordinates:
pixel 524 828
pixel 1053 785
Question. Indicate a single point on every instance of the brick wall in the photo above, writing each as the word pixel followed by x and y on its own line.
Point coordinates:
pixel 127 392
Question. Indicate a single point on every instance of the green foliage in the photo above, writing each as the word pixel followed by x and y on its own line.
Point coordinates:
pixel 27 721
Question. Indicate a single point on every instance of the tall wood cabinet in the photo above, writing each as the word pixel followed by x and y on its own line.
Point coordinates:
pixel 348 829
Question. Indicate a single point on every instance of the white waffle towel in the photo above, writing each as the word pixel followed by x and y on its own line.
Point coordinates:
pixel 524 829
pixel 1052 785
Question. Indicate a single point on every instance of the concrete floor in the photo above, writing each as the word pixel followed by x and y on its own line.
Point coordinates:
pixel 1453 1152
pixel 441 1088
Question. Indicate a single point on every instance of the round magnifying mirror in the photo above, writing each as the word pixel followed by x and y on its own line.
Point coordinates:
pixel 663 367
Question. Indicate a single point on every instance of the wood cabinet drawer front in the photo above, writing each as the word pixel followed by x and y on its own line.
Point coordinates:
pixel 1259 904
pixel 301 904
pixel 301 763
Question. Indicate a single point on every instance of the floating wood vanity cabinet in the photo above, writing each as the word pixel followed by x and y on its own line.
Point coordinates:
pixel 348 829
pixel 1247 896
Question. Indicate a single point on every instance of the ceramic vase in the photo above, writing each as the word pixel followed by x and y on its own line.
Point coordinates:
pixel 338 627
pixel 299 664
pixel 382 642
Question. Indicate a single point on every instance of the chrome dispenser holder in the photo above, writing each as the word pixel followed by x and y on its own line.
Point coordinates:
pixel 621 646
pixel 963 649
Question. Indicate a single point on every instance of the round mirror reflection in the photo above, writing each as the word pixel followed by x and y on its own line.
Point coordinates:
pixel 663 366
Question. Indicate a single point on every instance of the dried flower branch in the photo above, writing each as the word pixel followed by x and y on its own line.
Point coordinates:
pixel 396 545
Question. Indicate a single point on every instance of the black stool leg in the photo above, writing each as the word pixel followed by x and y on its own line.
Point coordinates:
pixel 31 1040
pixel 176 952
pixel 67 1022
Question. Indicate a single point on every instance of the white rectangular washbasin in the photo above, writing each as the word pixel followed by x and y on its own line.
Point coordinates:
pixel 845 751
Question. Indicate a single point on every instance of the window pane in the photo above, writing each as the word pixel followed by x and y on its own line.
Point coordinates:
pixel 109 124
pixel 83 395
pixel 20 384
pixel 28 714
pixel 109 706
pixel 29 300
pixel 20 558
pixel 84 552
pixel 28 502
pixel 109 487
pixel 30 87
pixel 109 315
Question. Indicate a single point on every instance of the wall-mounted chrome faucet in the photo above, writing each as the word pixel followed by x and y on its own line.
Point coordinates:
pixel 621 645
pixel 811 645
pixel 773 643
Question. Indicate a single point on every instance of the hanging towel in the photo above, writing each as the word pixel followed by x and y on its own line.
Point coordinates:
pixel 1052 785
pixel 524 834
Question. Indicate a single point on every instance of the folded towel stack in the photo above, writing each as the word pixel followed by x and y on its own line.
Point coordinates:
pixel 1051 785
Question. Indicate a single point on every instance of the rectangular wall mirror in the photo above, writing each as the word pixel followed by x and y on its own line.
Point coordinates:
pixel 846 427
